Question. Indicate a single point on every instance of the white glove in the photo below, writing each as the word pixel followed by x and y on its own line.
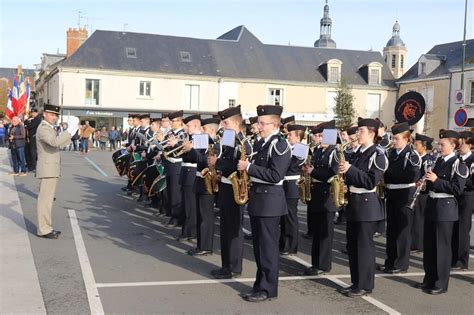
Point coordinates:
pixel 72 125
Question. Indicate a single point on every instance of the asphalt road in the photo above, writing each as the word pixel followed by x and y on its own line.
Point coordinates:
pixel 136 266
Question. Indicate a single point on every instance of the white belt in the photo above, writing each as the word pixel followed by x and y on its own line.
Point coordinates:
pixel 259 181
pixel 199 174
pixel 292 177
pixel 314 180
pixel 189 164
pixel 225 180
pixel 175 160
pixel 435 195
pixel 399 186
pixel 357 190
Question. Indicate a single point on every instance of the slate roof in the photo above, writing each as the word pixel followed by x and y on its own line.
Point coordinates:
pixel 450 55
pixel 235 54
pixel 10 73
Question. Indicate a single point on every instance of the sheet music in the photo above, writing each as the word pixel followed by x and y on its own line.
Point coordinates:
pixel 300 150
pixel 200 141
pixel 330 136
pixel 228 138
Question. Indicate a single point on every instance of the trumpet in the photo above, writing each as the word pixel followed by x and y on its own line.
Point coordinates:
pixel 176 152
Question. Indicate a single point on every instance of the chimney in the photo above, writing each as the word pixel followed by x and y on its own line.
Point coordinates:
pixel 75 38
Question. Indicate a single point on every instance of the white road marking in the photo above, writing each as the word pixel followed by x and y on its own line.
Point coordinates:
pixel 96 167
pixel 95 303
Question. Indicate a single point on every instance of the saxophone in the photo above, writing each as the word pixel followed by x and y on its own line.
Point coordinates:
pixel 304 184
pixel 211 180
pixel 240 181
pixel 338 186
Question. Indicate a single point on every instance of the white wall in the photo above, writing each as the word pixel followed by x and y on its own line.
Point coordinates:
pixel 456 85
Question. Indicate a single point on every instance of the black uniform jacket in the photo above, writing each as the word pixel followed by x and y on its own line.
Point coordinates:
pixel 271 165
pixel 291 186
pixel 173 165
pixel 325 166
pixel 403 168
pixel 366 171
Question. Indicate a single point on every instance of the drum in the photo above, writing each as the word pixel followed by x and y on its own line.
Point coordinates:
pixel 118 153
pixel 151 172
pixel 158 184
pixel 121 163
pixel 136 171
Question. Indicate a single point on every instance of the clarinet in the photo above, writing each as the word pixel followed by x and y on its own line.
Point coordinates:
pixel 421 187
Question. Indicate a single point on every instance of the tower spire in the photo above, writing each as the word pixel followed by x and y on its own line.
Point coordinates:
pixel 325 40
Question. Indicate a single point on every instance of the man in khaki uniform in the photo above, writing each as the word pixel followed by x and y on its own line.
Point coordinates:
pixel 49 166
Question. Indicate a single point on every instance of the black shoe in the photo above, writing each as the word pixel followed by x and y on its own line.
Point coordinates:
pixel 459 267
pixel 436 291
pixel 381 267
pixel 416 251
pixel 307 236
pixel 227 275
pixel 171 223
pixel 219 271
pixel 257 297
pixel 358 292
pixel 245 295
pixel 394 270
pixel 377 235
pixel 313 271
pixel 422 286
pixel 200 252
pixel 346 289
pixel 284 253
pixel 51 235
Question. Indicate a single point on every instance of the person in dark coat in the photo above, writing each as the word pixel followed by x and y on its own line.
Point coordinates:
pixel 400 185
pixel 364 209
pixel 267 202
pixel 289 223
pixel 445 183
pixel 323 166
pixel 461 229
pixel 423 145
pixel 31 125
pixel 17 138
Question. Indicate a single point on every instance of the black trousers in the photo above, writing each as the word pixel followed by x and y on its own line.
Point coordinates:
pixel 205 221
pixel 399 223
pixel 265 235
pixel 33 154
pixel 437 253
pixel 361 251
pixel 289 228
pixel 190 212
pixel 309 219
pixel 231 233
pixel 323 234
pixel 174 197
pixel 461 229
pixel 418 222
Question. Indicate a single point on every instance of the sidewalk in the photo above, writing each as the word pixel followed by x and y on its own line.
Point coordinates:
pixel 20 291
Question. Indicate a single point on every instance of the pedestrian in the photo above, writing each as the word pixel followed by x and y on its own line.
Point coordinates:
pixel 86 133
pixel 74 141
pixel 48 166
pixel 2 134
pixel 118 142
pixel 103 138
pixel 17 138
pixel 113 138
pixel 96 139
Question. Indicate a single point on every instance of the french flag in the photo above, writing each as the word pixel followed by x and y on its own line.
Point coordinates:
pixel 9 111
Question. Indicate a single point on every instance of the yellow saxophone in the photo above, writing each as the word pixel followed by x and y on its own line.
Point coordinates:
pixel 211 179
pixel 338 186
pixel 240 181
pixel 304 184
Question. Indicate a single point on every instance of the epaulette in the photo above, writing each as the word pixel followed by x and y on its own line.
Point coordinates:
pixel 455 168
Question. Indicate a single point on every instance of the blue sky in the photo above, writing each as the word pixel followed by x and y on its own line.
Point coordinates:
pixel 29 28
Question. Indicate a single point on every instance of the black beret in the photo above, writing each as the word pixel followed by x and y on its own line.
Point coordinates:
pixel 253 120
pixel 400 127
pixel 164 115
pixel 329 124
pixel 466 134
pixel 421 137
pixel 288 119
pixel 130 115
pixel 155 120
pixel 208 121
pixel 263 110
pixel 381 124
pixel 318 129
pixel 368 122
pixel 443 133
pixel 191 117
pixel 174 115
pixel 34 110
pixel 229 112
pixel 48 108
pixel 144 116
pixel 296 127
pixel 352 130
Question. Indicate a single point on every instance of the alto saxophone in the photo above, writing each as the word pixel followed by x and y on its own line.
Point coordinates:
pixel 211 179
pixel 304 184
pixel 240 181
pixel 338 186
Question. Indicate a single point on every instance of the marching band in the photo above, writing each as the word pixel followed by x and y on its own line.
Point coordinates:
pixel 367 179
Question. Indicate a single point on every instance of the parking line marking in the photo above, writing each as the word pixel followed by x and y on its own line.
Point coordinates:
pixel 95 303
pixel 96 166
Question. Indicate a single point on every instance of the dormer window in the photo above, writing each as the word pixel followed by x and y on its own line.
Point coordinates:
pixel 374 73
pixel 333 68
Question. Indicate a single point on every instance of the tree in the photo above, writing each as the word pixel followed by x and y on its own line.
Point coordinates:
pixel 344 111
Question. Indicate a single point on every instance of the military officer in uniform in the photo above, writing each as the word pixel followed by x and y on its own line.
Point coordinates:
pixel 49 166
pixel 267 201
pixel 400 185
pixel 423 144
pixel 364 209
pixel 323 166
pixel 461 237
pixel 445 183
pixel 289 222
pixel 231 215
